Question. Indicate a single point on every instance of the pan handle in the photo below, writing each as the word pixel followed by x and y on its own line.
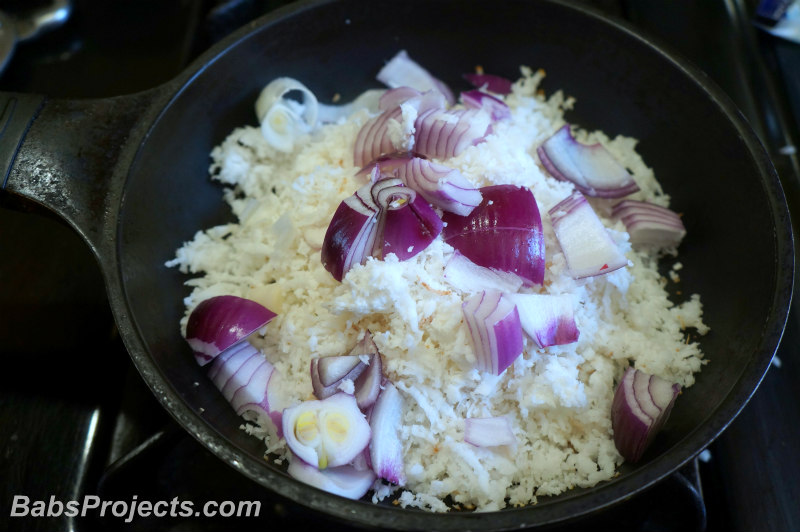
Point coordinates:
pixel 69 157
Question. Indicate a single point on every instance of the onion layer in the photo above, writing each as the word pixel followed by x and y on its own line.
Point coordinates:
pixel 496 107
pixel 649 224
pixel 489 431
pixel 345 481
pixel 584 239
pixel 490 82
pixel 402 71
pixel 547 319
pixel 326 433
pixel 592 169
pixel 220 322
pixel 468 277
pixel 380 218
pixel 386 449
pixel 641 406
pixel 504 233
pixel 495 331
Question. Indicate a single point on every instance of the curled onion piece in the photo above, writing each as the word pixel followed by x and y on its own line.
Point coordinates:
pixel 443 134
pixel 244 376
pixel 592 169
pixel 385 448
pixel 489 431
pixel 469 277
pixel 282 119
pixel 440 185
pixel 402 71
pixel 490 82
pixel 650 224
pixel 363 366
pixel 495 330
pixel 584 239
pixel 496 107
pixel 504 233
pixel 380 218
pixel 547 319
pixel 328 432
pixel 220 322
pixel 369 100
pixel 641 406
pixel 345 481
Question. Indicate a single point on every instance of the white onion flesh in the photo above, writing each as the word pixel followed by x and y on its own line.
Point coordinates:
pixel 346 481
pixel 469 277
pixel 547 319
pixel 489 432
pixel 584 239
pixel 402 71
pixel 386 449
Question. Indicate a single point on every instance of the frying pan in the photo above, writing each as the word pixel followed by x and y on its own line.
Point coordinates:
pixel 130 175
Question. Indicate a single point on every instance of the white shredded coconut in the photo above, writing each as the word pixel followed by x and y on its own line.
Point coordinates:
pixel 557 399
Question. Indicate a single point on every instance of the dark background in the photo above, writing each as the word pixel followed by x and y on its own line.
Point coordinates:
pixel 75 417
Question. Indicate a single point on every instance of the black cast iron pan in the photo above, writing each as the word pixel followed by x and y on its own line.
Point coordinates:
pixel 130 174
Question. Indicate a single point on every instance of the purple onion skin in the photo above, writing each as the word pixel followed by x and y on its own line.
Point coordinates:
pixel 339 239
pixel 503 232
pixel 508 332
pixel 560 331
pixel 493 83
pixel 411 229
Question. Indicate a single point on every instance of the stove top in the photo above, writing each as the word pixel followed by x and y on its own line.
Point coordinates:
pixel 76 417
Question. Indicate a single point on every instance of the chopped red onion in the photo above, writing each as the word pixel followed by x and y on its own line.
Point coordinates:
pixel 650 224
pixel 440 185
pixel 443 134
pixel 496 107
pixel 392 98
pixel 547 319
pixel 386 449
pixel 469 277
pixel 489 431
pixel 641 406
pixel 504 233
pixel 327 373
pixel 402 71
pixel 495 330
pixel 345 481
pixel 368 384
pixel 592 169
pixel 490 82
pixel 244 377
pixel 220 322
pixel 326 433
pixel 380 218
pixel 586 244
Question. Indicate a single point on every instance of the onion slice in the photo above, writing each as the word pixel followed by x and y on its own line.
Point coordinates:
pixel 282 119
pixel 386 449
pixel 547 319
pixel 495 330
pixel 649 224
pixel 363 366
pixel 220 322
pixel 496 107
pixel 443 134
pixel 490 82
pixel 402 71
pixel 380 218
pixel 592 169
pixel 489 431
pixel 345 481
pixel 328 432
pixel 641 406
pixel 468 277
pixel 244 377
pixel 586 244
pixel 504 233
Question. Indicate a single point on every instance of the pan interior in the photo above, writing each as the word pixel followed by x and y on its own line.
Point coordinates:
pixel 622 85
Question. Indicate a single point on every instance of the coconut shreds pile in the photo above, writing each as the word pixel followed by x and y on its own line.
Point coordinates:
pixel 558 399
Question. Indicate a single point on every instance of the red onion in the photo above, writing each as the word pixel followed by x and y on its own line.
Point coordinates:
pixel 346 481
pixel 444 134
pixel 584 239
pixel 243 375
pixel 380 218
pixel 392 98
pixel 402 71
pixel 489 431
pixel 592 169
pixel 220 322
pixel 440 185
pixel 469 277
pixel 496 107
pixel 327 373
pixel 547 319
pixel 504 233
pixel 641 406
pixel 328 432
pixel 386 449
pixel 650 224
pixel 495 330
pixel 490 82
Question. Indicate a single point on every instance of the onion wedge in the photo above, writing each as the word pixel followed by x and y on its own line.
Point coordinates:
pixel 386 449
pixel 547 319
pixel 495 331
